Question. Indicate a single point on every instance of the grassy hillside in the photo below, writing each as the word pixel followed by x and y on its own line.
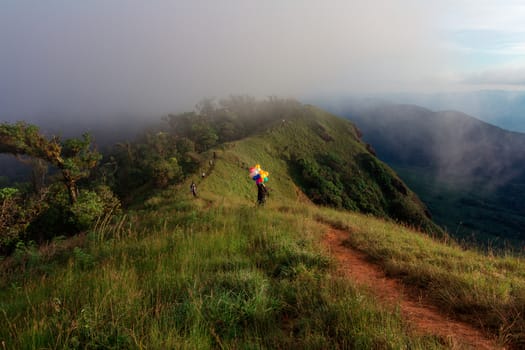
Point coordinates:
pixel 323 155
pixel 220 272
pixel 194 274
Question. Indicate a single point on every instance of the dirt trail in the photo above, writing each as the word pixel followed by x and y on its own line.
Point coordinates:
pixel 423 317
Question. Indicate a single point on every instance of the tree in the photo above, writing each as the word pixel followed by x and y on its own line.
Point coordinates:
pixel 204 134
pixel 181 124
pixel 206 107
pixel 77 163
pixel 74 157
pixel 10 222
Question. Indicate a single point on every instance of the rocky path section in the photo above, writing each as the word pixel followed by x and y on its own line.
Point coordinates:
pixel 423 317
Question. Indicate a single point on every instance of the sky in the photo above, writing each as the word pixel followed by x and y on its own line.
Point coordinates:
pixel 102 58
pixel 487 40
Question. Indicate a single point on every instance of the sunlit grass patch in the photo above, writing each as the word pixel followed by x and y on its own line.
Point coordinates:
pixel 233 277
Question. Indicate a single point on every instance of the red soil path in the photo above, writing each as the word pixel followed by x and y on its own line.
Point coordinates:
pixel 423 317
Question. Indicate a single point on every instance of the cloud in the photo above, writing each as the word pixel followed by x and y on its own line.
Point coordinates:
pixel 488 15
pixel 489 59
pixel 491 41
pixel 100 57
pixel 498 77
pixel 483 39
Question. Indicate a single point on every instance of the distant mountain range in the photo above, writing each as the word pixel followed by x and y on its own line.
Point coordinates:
pixel 503 108
pixel 451 143
pixel 470 173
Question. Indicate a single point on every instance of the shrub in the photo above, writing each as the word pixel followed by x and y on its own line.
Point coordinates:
pixel 9 221
pixel 16 213
pixel 165 171
pixel 86 210
pixel 61 218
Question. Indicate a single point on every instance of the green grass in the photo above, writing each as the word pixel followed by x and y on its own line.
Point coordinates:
pixel 183 277
pixel 211 272
pixel 219 272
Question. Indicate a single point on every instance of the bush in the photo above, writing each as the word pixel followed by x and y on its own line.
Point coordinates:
pixel 9 221
pixel 62 218
pixel 166 171
pixel 16 213
pixel 91 205
pixel 88 208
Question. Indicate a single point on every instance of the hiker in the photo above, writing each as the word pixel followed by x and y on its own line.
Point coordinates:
pixel 261 193
pixel 260 177
pixel 193 188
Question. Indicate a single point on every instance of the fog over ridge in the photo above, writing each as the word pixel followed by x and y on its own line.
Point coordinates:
pixel 99 58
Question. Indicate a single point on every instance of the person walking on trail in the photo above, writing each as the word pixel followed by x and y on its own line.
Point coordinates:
pixel 193 188
pixel 260 177
pixel 261 193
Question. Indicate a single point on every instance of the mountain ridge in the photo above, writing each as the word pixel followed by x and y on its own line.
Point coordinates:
pixel 467 171
pixel 323 155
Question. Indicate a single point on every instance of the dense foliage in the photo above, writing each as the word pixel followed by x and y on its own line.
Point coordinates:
pixel 54 205
pixel 74 157
pixel 364 184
